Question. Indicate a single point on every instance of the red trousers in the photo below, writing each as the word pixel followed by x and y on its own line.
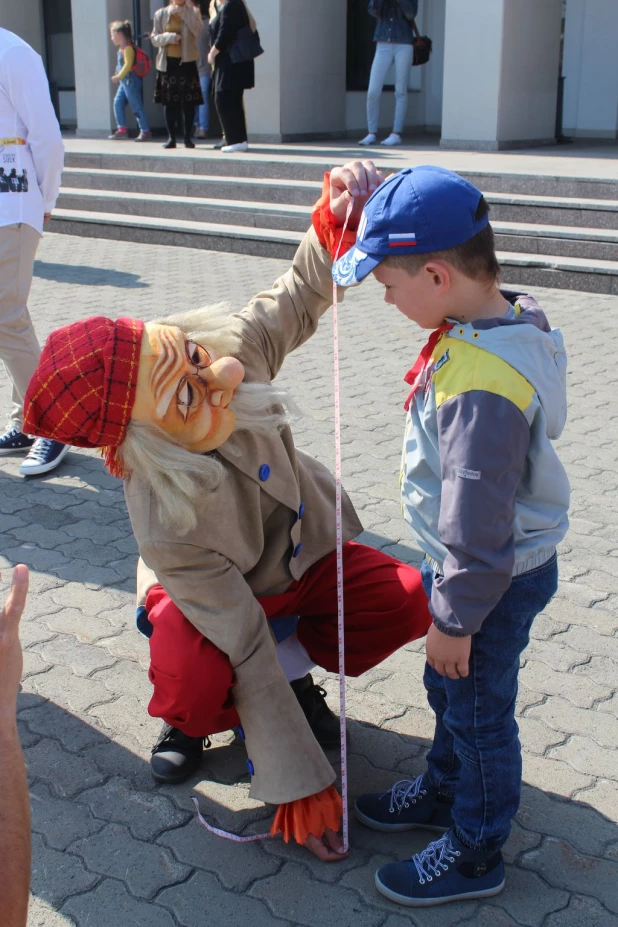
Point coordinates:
pixel 385 608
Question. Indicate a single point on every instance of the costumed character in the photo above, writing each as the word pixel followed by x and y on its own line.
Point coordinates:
pixel 235 526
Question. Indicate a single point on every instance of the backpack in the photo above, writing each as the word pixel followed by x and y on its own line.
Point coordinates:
pixel 142 63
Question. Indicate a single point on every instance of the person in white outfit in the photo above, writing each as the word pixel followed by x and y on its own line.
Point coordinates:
pixel 394 35
pixel 31 160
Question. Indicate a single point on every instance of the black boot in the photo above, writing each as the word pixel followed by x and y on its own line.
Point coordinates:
pixel 170 143
pixel 323 723
pixel 175 756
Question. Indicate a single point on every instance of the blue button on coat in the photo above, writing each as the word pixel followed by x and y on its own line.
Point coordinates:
pixel 297 550
pixel 264 472
pixel 251 768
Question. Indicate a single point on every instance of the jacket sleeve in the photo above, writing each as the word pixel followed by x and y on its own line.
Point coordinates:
pixel 279 320
pixel 25 83
pixel 483 442
pixel 409 8
pixel 158 37
pixel 231 20
pixel 194 21
pixel 213 595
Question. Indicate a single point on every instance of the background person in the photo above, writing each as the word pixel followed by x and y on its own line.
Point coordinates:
pixel 175 31
pixel 14 804
pixel 130 86
pixel 32 147
pixel 204 69
pixel 231 80
pixel 394 36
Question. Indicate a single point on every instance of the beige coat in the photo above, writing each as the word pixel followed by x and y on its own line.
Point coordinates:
pixel 248 531
pixel 192 26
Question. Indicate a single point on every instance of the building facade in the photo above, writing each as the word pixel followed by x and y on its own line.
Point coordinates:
pixel 492 81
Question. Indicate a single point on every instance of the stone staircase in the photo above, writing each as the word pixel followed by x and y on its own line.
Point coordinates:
pixel 552 231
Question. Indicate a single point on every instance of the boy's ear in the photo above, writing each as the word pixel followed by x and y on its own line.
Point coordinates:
pixel 439 273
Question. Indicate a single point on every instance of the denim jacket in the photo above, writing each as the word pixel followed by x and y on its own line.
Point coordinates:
pixel 394 20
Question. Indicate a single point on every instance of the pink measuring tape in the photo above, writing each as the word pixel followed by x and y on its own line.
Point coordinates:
pixel 340 611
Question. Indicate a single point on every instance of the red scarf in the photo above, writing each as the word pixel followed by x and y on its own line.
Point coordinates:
pixel 415 375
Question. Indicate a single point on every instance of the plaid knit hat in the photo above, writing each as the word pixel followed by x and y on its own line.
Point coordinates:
pixel 83 390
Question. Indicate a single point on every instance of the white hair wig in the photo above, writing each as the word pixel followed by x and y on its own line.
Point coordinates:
pixel 176 475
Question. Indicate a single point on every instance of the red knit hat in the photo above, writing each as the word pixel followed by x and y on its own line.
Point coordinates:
pixel 83 390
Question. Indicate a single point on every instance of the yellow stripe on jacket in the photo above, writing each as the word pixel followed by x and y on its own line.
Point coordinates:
pixel 472 368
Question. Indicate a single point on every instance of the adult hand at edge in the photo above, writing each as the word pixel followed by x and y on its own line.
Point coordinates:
pixel 328 847
pixel 11 659
pixel 358 179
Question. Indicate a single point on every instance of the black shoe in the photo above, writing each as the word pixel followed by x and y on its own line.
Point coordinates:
pixel 323 723
pixel 189 143
pixel 175 756
pixel 171 143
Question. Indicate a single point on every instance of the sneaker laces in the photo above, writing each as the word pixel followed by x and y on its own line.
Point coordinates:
pixel 404 792
pixel 40 449
pixel 433 860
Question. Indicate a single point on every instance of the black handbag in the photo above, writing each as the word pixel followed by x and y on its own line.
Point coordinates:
pixel 422 46
pixel 246 46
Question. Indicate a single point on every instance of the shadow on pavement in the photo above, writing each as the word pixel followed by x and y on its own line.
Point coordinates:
pixel 104 832
pixel 87 276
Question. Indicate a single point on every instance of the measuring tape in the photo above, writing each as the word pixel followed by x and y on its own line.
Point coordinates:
pixel 340 611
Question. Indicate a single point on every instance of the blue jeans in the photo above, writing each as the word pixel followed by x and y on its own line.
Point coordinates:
pixel 130 91
pixel 201 112
pixel 476 754
pixel 386 53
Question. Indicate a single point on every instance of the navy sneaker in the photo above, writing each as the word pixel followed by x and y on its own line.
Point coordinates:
pixel 176 756
pixel 14 440
pixel 45 455
pixel 447 870
pixel 410 803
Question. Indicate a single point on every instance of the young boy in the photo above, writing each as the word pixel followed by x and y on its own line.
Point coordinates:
pixel 486 497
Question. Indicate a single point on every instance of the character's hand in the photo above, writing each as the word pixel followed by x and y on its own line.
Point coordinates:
pixel 46 217
pixel 328 847
pixel 356 179
pixel 115 78
pixel 449 656
pixel 11 660
pixel 212 54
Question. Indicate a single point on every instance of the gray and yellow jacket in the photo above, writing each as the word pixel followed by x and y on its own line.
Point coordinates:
pixel 482 486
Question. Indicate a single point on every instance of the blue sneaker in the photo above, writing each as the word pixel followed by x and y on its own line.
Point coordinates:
pixel 45 455
pixel 410 803
pixel 447 870
pixel 13 441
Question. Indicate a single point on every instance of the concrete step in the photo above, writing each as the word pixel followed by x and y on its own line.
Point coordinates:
pixel 247 213
pixel 212 236
pixel 291 163
pixel 528 269
pixel 563 241
pixel 553 210
pixel 262 189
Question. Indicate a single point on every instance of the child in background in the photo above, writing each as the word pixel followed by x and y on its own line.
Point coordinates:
pixel 486 498
pixel 130 89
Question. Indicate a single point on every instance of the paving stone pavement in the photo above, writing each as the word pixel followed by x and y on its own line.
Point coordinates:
pixel 111 847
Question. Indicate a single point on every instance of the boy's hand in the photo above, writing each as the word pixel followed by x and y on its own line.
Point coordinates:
pixel 356 179
pixel 449 656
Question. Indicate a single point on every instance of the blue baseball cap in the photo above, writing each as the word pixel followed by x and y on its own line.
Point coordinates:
pixel 416 211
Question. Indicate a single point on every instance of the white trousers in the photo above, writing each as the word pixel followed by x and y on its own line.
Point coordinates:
pixel 386 54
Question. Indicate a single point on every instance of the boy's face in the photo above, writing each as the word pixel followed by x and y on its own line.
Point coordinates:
pixel 417 296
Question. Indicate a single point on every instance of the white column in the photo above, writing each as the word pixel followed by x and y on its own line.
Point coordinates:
pixel 300 79
pixel 95 62
pixel 501 62
pixel 590 67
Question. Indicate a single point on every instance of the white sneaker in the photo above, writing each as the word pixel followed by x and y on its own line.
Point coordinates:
pixel 393 139
pixel 368 140
pixel 239 146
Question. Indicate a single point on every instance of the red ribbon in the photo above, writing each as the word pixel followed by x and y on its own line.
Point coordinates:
pixel 415 375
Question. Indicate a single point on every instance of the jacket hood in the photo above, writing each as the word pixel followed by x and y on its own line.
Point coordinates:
pixel 535 350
